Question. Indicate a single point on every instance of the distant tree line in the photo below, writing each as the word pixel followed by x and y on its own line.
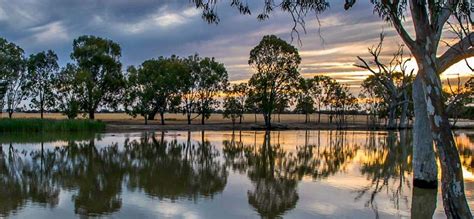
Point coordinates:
pixel 198 86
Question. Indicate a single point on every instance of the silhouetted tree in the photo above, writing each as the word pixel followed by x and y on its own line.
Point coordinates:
pixel 276 65
pixel 429 19
pixel 42 68
pixel 12 70
pixel 99 77
pixel 66 91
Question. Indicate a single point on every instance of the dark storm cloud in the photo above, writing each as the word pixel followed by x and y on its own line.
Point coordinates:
pixel 147 29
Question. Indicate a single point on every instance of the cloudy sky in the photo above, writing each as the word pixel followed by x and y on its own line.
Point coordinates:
pixel 150 28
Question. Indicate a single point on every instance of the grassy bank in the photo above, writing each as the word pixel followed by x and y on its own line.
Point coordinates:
pixel 50 125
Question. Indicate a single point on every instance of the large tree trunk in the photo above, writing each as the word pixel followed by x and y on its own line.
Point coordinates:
pixel 454 198
pixel 425 168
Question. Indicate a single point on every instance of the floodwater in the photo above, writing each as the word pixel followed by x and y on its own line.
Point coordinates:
pixel 248 174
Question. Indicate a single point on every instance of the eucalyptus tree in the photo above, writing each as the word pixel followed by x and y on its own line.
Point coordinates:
pixel 190 88
pixel 12 71
pixel 250 104
pixel 66 91
pixel 140 93
pixel 212 79
pixel 240 93
pixel 396 79
pixel 232 108
pixel 429 19
pixel 167 76
pixel 42 68
pixel 205 80
pixel 320 92
pixel 276 65
pixel 99 76
pixel 374 95
pixel 304 97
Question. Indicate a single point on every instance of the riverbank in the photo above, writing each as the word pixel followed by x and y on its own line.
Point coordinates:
pixel 121 122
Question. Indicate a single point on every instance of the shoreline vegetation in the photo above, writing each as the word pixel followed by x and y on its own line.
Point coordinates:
pixel 50 125
pixel 121 122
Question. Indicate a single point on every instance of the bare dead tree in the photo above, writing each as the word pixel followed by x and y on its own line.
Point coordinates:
pixel 394 76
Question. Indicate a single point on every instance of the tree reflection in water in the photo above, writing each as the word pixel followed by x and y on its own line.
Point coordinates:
pixel 22 180
pixel 95 175
pixel 275 172
pixel 386 165
pixel 165 168
pixel 174 170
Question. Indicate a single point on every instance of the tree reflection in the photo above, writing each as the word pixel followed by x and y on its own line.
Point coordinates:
pixel 174 170
pixel 387 164
pixel 95 174
pixel 23 179
pixel 275 172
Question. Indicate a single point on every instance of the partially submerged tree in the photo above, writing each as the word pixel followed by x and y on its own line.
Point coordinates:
pixel 395 78
pixel 42 68
pixel 431 119
pixel 99 76
pixel 276 65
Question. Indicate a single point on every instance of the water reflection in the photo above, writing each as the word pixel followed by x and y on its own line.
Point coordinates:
pixel 195 166
pixel 387 163
pixel 275 172
pixel 173 170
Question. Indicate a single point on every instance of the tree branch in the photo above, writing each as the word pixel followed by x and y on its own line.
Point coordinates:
pixel 461 50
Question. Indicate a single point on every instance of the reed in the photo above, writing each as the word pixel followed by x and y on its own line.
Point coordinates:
pixel 50 125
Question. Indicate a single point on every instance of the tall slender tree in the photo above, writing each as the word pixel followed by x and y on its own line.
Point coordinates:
pixel 42 68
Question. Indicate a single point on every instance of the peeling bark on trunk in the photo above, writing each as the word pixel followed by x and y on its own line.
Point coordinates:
pixel 454 198
pixel 425 168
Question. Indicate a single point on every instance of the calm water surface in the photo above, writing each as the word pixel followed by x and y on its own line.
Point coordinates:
pixel 290 174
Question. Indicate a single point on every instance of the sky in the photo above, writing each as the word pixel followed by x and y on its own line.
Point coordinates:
pixel 148 29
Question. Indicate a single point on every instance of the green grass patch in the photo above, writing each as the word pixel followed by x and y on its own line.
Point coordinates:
pixel 50 125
